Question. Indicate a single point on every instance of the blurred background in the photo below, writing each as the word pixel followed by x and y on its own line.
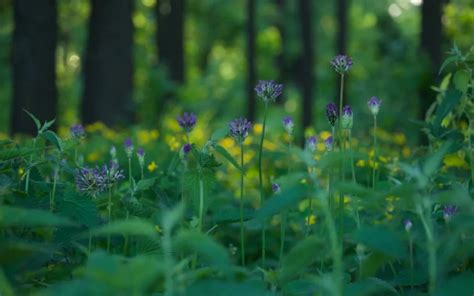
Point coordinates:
pixel 140 62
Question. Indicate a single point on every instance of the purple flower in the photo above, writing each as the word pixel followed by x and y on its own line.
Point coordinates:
pixel 341 63
pixel 288 124
pixel 239 129
pixel 311 143
pixel 328 143
pixel 77 131
pixel 449 211
pixel 187 148
pixel 128 146
pixel 374 105
pixel 187 121
pixel 276 188
pixel 408 225
pixel 112 174
pixel 331 113
pixel 141 156
pixel 268 90
pixel 347 118
pixel 90 181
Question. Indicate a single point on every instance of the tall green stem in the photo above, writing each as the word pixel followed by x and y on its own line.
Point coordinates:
pixel 27 180
pixel 471 152
pixel 260 178
pixel 201 201
pixel 431 247
pixel 53 192
pixel 374 164
pixel 410 239
pixel 354 180
pixel 109 216
pixel 242 237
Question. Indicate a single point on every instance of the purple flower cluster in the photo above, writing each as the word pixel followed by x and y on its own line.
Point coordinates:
pixel 239 129
pixel 288 124
pixel 449 211
pixel 276 188
pixel 331 113
pixel 268 90
pixel 128 146
pixel 187 121
pixel 329 143
pixel 92 181
pixel 77 131
pixel 374 105
pixel 347 117
pixel 341 63
pixel 311 143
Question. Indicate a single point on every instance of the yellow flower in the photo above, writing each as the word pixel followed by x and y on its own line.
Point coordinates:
pixel 227 143
pixel 455 160
pixel 143 137
pixel 360 163
pixel 324 135
pixel 406 151
pixel 21 172
pixel 399 139
pixel 152 166
pixel 172 142
pixel 93 156
pixel 257 128
pixel 347 199
pixel 311 220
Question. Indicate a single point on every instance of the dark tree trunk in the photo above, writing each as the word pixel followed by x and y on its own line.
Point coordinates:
pixel 341 42
pixel 251 60
pixel 307 79
pixel 108 64
pixel 281 57
pixel 33 60
pixel 430 43
pixel 169 36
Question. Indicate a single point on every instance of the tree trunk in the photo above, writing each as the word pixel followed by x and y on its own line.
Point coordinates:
pixel 251 60
pixel 33 63
pixel 108 63
pixel 341 42
pixel 307 78
pixel 169 36
pixel 430 43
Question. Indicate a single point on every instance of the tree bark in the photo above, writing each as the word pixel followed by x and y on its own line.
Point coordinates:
pixel 430 44
pixel 251 60
pixel 169 36
pixel 108 64
pixel 307 77
pixel 33 63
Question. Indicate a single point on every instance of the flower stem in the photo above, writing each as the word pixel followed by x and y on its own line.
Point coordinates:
pixel 471 152
pixel 260 178
pixel 90 242
pixel 130 173
pixel 109 216
pixel 242 237
pixel 411 261
pixel 354 180
pixel 53 193
pixel 374 165
pixel 27 180
pixel 201 201
pixel 431 247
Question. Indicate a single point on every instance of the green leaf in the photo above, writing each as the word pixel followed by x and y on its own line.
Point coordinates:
pixel 381 239
pixel 145 184
pixel 462 284
pixel 220 133
pixel 446 62
pixel 221 150
pixel 301 256
pixel 5 287
pixel 14 216
pixel 136 227
pixel 220 288
pixel 36 120
pixel 461 80
pixel 204 246
pixel 370 286
pixel 12 153
pixel 47 125
pixel 432 163
pixel 282 201
pixel 53 138
pixel 450 100
pixel 79 208
pixel 193 188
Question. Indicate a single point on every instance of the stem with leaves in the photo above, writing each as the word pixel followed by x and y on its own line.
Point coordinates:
pixel 260 178
pixel 242 236
pixel 431 247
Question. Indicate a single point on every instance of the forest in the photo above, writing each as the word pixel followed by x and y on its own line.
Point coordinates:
pixel 237 147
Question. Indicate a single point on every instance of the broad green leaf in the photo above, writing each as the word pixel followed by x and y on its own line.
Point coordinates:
pixel 126 227
pixel 14 216
pixel 220 133
pixel 450 100
pixel 192 183
pixel 79 208
pixel 12 153
pixel 381 239
pixel 221 150
pixel 204 246
pixel 145 184
pixel 5 287
pixel 461 80
pixel 36 120
pixel 283 201
pixel 216 287
pixel 432 162
pixel 370 286
pixel 54 139
pixel 301 256
pixel 461 284
pixel 446 62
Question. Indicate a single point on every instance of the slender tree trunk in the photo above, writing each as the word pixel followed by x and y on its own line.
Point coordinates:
pixel 169 36
pixel 251 59
pixel 33 63
pixel 108 63
pixel 281 57
pixel 341 42
pixel 430 43
pixel 307 78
